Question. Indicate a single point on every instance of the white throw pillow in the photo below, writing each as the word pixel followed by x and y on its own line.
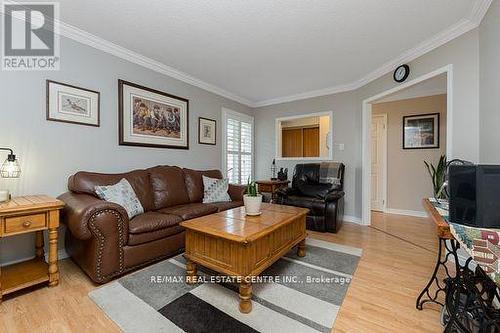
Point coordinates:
pixel 122 194
pixel 215 190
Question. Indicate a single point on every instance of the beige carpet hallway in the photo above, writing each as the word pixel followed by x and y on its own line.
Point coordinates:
pixel 398 257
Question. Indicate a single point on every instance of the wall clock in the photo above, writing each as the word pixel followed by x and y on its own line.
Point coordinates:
pixel 401 73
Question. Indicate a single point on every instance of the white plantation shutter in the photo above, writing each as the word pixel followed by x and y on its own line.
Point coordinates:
pixel 238 146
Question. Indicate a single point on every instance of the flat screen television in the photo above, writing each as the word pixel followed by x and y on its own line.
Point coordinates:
pixel 474 195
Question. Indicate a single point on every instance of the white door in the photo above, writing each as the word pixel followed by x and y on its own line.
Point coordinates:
pixel 379 152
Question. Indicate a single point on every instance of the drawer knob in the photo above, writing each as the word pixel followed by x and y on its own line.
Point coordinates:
pixel 26 224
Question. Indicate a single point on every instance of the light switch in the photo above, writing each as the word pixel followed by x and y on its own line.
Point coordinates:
pixel 341 146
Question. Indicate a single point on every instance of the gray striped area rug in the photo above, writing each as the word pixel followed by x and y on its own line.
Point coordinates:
pixel 295 295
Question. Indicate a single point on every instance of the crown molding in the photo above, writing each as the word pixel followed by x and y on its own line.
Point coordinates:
pixel 96 42
pixel 101 44
pixel 479 9
pixel 472 21
pixel 465 25
pixel 310 94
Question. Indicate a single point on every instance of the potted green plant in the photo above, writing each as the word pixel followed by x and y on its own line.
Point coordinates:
pixel 252 199
pixel 437 174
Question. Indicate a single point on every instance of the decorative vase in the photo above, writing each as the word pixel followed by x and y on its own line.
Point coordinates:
pixel 252 204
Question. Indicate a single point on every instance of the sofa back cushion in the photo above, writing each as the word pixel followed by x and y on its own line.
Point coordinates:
pixel 168 185
pixel 194 182
pixel 85 182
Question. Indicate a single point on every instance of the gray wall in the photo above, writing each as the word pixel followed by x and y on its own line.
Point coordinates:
pixel 489 47
pixel 345 123
pixel 462 53
pixel 49 151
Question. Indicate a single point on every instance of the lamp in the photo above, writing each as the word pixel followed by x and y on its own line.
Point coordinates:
pixel 10 169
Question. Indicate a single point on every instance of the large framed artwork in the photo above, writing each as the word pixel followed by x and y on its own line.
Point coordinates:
pixel 421 131
pixel 207 131
pixel 152 118
pixel 71 104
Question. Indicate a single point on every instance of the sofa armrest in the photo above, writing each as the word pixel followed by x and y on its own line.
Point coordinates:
pixel 80 209
pixel 236 192
pixel 285 191
pixel 334 195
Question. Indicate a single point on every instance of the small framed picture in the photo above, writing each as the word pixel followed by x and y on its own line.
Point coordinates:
pixel 152 118
pixel 71 104
pixel 421 131
pixel 207 131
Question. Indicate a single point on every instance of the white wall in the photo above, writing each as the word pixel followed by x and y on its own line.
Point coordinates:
pixel 489 47
pixel 462 53
pixel 49 152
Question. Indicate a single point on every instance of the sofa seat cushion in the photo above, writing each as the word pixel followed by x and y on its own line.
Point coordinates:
pixel 152 221
pixel 146 237
pixel 190 211
pixel 222 206
pixel 316 206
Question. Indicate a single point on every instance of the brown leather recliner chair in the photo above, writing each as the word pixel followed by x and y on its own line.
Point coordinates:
pixel 102 240
pixel 325 199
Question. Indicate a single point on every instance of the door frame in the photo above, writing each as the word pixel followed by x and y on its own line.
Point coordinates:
pixel 366 125
pixel 384 162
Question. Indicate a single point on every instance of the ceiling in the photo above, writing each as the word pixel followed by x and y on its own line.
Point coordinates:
pixel 262 52
pixel 434 86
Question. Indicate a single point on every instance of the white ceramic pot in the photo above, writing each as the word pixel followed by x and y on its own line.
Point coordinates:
pixel 4 195
pixel 252 204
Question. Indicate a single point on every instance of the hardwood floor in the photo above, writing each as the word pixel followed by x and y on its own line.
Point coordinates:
pixel 398 257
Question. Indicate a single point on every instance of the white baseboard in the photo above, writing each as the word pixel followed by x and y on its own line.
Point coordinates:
pixel 353 219
pixel 414 213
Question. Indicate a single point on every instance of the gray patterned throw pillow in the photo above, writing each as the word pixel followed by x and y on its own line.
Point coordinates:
pixel 122 194
pixel 215 190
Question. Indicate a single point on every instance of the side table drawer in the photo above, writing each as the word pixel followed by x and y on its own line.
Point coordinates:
pixel 19 224
pixel 265 188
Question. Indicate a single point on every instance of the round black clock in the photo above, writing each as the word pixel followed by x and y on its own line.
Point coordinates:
pixel 401 73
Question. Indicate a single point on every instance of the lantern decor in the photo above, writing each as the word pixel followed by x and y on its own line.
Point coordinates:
pixel 273 170
pixel 10 169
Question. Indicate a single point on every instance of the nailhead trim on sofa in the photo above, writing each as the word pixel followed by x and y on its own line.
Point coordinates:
pixel 100 237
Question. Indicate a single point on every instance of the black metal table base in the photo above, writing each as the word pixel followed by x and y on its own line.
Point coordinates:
pixel 472 299
pixel 435 286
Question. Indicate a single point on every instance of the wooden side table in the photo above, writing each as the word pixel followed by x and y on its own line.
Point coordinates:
pixel 271 186
pixel 30 214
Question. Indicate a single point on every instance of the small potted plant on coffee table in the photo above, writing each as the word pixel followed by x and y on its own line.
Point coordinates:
pixel 252 199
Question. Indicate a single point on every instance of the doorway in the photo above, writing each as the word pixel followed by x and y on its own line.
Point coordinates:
pixel 369 190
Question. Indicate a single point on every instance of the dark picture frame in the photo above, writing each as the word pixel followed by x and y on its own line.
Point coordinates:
pixel 421 131
pixel 151 118
pixel 71 104
pixel 202 135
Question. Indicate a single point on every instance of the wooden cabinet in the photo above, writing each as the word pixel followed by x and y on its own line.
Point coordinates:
pixel 300 142
pixel 30 214
pixel 311 142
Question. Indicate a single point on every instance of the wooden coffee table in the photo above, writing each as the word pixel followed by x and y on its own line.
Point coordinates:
pixel 242 246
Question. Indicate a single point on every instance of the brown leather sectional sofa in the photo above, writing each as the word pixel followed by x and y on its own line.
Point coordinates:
pixel 105 243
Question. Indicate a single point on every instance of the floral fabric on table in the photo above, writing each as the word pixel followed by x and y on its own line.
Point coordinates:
pixel 480 243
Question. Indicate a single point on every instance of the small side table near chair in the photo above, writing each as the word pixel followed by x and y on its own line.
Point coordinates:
pixel 27 214
pixel 271 186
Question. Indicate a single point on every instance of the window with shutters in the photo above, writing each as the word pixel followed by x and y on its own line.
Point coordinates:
pixel 237 146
